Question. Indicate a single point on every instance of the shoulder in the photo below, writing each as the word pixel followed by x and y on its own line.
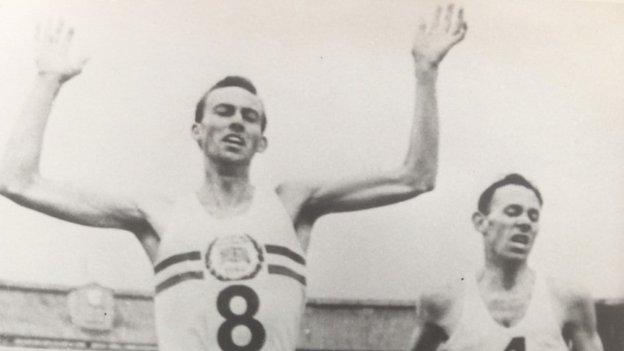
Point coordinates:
pixel 568 291
pixel 295 195
pixel 156 211
pixel 295 189
pixel 156 208
pixel 151 202
pixel 437 303
pixel 579 314
pixel 574 298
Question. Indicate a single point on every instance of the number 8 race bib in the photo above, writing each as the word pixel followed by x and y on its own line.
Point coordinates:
pixel 236 319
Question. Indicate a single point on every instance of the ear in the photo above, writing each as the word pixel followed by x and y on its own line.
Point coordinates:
pixel 196 133
pixel 263 144
pixel 479 221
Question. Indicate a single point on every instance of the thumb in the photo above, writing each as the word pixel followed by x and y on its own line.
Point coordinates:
pixel 82 62
pixel 77 67
pixel 460 33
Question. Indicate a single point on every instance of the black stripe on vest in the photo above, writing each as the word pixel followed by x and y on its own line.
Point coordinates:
pixel 178 278
pixel 276 269
pixel 187 256
pixel 284 251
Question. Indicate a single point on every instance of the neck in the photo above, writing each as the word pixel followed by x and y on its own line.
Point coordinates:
pixel 505 274
pixel 233 171
pixel 225 185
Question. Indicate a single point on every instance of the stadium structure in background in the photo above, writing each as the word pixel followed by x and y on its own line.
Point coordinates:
pixel 93 317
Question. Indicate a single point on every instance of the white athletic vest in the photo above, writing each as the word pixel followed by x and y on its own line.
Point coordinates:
pixel 229 284
pixel 538 330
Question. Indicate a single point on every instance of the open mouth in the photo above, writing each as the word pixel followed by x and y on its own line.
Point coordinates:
pixel 234 139
pixel 520 238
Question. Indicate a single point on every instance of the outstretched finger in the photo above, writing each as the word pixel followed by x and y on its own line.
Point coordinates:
pixel 48 31
pixel 66 38
pixel 422 25
pixel 56 30
pixel 436 18
pixel 68 35
pixel 38 32
pixel 448 17
pixel 40 38
pixel 59 27
pixel 459 22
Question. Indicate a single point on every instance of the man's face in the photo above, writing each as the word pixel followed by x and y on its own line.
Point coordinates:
pixel 512 224
pixel 231 129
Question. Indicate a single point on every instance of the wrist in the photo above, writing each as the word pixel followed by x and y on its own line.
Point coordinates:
pixel 426 72
pixel 50 78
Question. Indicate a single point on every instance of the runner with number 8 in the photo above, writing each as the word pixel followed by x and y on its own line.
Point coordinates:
pixel 229 259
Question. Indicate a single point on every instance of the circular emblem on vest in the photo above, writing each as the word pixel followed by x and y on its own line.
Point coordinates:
pixel 234 257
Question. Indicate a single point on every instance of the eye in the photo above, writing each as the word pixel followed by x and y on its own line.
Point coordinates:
pixel 224 110
pixel 533 215
pixel 513 210
pixel 250 115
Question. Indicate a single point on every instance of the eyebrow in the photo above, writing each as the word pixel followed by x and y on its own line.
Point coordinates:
pixel 223 104
pixel 516 207
pixel 249 109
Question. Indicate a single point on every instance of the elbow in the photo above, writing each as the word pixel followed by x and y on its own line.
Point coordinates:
pixel 419 182
pixel 428 186
pixel 15 187
pixel 424 186
pixel 3 185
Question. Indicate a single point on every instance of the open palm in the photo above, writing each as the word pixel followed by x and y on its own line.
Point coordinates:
pixel 53 40
pixel 435 38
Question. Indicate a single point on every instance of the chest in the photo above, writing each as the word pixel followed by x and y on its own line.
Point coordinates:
pixel 507 308
pixel 256 247
pixel 202 233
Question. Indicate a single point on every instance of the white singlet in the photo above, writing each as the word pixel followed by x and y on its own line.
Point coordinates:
pixel 476 330
pixel 230 284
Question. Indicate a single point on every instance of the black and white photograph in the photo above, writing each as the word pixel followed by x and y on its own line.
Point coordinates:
pixel 304 175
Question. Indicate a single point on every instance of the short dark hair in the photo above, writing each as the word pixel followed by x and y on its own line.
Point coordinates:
pixel 485 199
pixel 229 81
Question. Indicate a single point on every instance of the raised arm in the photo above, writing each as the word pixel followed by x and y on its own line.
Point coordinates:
pixel 20 179
pixel 417 173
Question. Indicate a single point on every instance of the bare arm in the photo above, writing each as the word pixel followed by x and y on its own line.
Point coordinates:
pixel 580 329
pixel 417 173
pixel 20 179
pixel 429 334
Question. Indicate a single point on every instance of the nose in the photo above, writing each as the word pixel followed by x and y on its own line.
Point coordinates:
pixel 236 123
pixel 524 222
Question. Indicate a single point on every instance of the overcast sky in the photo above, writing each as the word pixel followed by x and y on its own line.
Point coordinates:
pixel 536 88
